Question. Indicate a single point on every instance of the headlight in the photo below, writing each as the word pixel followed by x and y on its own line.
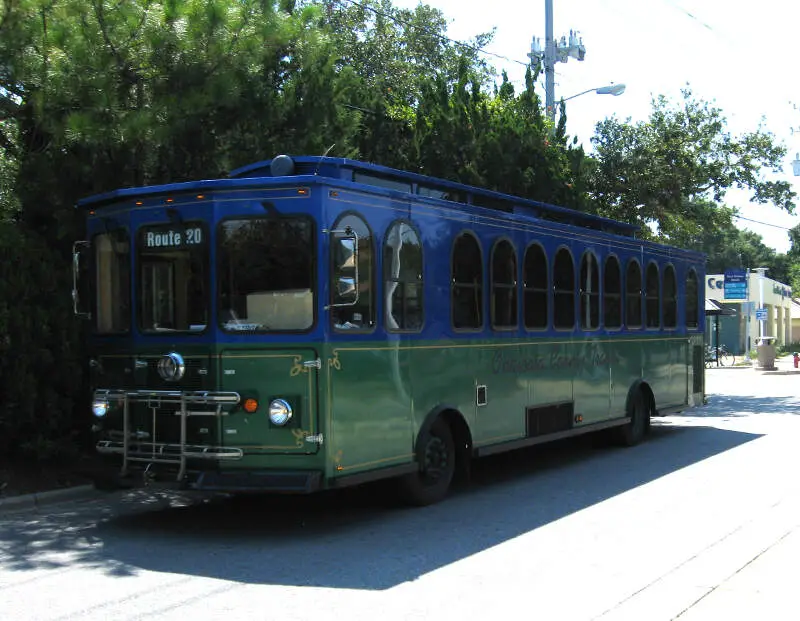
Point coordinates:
pixel 99 407
pixel 171 367
pixel 280 412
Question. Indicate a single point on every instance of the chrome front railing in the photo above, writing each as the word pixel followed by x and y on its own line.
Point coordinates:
pixel 165 453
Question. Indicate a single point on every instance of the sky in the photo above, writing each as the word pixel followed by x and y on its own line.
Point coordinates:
pixel 740 57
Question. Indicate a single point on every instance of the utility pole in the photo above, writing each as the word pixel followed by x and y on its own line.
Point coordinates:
pixel 549 61
pixel 552 53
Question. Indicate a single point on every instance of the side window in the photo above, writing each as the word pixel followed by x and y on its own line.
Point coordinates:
pixel 670 304
pixel 653 305
pixel 692 304
pixel 633 295
pixel 590 292
pixel 536 289
pixel 504 286
pixel 402 277
pixel 563 290
pixel 113 282
pixel 361 315
pixel 612 294
pixel 466 296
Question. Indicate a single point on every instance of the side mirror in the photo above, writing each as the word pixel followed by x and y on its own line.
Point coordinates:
pixel 80 280
pixel 345 268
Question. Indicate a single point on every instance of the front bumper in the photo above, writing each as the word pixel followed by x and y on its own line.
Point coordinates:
pixel 164 476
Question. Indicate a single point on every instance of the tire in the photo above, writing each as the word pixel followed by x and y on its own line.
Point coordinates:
pixel 436 453
pixel 634 431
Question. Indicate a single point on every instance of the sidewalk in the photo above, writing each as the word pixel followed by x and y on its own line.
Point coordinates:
pixel 783 366
pixel 25 502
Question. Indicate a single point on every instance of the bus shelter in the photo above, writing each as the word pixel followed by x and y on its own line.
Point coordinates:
pixel 715 310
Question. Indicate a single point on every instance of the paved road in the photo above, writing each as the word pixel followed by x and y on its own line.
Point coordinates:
pixel 674 528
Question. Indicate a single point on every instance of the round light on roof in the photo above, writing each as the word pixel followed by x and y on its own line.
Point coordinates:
pixel 282 166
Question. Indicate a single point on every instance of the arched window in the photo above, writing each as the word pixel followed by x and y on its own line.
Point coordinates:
pixel 692 302
pixel 633 295
pixel 612 293
pixel 466 295
pixel 536 289
pixel 652 297
pixel 361 315
pixel 563 290
pixel 402 276
pixel 504 286
pixel 590 291
pixel 670 303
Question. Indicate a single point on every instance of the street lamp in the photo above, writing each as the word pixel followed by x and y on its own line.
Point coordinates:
pixel 611 89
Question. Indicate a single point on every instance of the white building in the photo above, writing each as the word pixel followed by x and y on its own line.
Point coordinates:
pixel 739 332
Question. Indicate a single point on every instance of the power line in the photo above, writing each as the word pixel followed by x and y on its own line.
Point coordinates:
pixel 432 32
pixel 777 226
pixel 694 17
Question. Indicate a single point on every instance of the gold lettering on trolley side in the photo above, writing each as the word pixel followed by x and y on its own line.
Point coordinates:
pixel 299 437
pixel 335 362
pixel 338 460
pixel 297 368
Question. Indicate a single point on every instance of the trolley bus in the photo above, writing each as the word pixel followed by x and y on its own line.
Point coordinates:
pixel 313 322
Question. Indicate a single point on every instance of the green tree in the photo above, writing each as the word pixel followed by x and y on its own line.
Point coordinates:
pixel 653 172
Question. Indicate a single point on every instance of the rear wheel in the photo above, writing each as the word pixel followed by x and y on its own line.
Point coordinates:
pixel 437 463
pixel 634 431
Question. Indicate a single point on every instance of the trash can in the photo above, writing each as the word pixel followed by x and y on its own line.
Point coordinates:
pixel 765 349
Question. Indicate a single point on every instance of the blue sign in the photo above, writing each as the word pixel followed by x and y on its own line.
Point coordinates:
pixel 761 314
pixel 735 284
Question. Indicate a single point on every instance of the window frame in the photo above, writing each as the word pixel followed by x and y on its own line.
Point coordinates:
pixel 648 298
pixel 316 288
pixel 513 287
pixel 597 295
pixel 420 282
pixel 696 301
pixel 607 297
pixel 373 276
pixel 669 268
pixel 481 303
pixel 94 282
pixel 547 288
pixel 137 282
pixel 633 261
pixel 574 291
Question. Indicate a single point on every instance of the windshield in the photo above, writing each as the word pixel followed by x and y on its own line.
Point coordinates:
pixel 112 261
pixel 173 278
pixel 266 274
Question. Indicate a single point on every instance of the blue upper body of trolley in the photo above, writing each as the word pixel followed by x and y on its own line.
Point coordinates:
pixel 132 208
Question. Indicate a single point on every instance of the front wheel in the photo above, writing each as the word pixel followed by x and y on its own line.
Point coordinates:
pixel 436 453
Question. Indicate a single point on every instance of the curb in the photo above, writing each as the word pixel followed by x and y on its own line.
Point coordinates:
pixel 40 499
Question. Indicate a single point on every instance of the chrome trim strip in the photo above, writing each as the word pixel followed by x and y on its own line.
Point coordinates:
pixel 160 452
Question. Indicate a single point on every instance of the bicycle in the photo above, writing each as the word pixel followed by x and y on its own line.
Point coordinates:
pixel 726 359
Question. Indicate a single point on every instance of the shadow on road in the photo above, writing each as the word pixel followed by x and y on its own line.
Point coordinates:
pixel 356 538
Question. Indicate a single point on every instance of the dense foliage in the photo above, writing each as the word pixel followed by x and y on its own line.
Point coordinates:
pixel 96 95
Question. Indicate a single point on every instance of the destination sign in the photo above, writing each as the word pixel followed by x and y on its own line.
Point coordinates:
pixel 177 237
pixel 735 284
